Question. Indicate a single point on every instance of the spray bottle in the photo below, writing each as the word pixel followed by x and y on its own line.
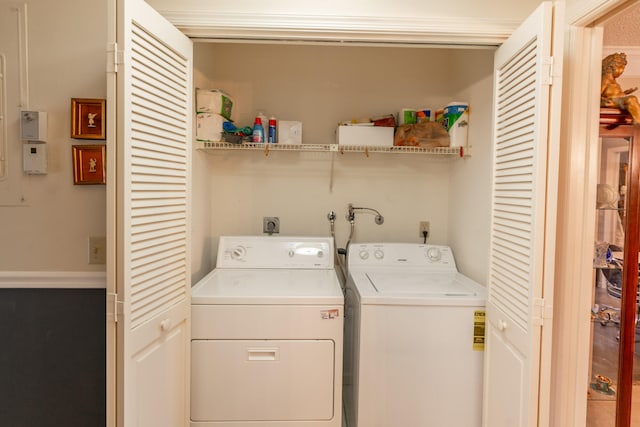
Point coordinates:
pixel 271 136
pixel 258 131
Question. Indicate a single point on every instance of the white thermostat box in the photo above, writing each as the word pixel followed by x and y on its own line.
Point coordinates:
pixel 33 126
pixel 34 158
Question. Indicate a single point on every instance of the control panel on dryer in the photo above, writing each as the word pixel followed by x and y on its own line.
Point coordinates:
pixel 275 252
pixel 437 257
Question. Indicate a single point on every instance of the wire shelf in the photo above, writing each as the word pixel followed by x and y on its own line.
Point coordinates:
pixel 439 151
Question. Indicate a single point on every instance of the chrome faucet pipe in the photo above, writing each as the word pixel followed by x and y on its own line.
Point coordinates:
pixel 351 216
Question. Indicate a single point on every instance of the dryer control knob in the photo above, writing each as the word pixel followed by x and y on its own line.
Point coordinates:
pixel 320 254
pixel 238 252
pixel 379 254
pixel 364 254
pixel 434 254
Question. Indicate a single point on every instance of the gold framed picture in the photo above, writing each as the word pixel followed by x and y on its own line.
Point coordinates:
pixel 88 118
pixel 89 164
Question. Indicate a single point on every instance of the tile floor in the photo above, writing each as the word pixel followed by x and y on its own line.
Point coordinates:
pixel 602 413
pixel 601 408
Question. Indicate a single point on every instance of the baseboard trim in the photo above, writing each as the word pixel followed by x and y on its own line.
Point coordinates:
pixel 53 279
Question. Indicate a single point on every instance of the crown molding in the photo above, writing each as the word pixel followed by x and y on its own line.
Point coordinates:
pixel 215 26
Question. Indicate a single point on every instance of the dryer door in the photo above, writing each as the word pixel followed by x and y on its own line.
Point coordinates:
pixel 262 380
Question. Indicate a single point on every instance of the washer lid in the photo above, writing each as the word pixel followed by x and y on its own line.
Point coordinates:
pixel 416 287
pixel 268 286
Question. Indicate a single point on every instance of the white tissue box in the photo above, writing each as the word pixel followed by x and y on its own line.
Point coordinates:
pixel 209 127
pixel 376 136
pixel 289 132
pixel 214 101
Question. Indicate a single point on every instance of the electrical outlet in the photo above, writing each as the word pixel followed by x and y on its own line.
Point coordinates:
pixel 270 224
pixel 97 250
pixel 424 226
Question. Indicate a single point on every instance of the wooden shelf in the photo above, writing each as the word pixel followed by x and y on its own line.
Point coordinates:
pixel 612 117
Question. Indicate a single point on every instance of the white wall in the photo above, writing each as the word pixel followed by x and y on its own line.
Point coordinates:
pixel 48 230
pixel 320 86
pixel 470 200
pixel 66 44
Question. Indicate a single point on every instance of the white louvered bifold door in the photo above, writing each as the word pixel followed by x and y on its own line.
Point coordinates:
pixel 153 157
pixel 515 301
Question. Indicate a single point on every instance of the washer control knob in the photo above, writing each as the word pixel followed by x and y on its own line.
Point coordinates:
pixel 364 254
pixel 238 252
pixel 379 254
pixel 291 253
pixel 434 254
pixel 320 254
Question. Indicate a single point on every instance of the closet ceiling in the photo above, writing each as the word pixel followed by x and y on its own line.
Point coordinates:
pixel 623 29
pixel 622 34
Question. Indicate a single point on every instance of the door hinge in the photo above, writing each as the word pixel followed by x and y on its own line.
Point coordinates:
pixel 541 311
pixel 114 58
pixel 114 301
pixel 547 71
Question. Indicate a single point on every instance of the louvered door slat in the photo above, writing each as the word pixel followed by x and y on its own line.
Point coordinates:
pixel 512 271
pixel 143 252
pixel 508 250
pixel 157 216
pixel 150 292
pixel 513 183
pixel 517 235
pixel 159 226
pixel 155 267
pixel 151 307
pixel 158 145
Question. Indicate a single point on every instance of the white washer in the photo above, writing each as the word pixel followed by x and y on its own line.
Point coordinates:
pixel 267 330
pixel 414 338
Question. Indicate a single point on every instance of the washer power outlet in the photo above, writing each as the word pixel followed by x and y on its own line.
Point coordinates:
pixel 270 224
pixel 424 226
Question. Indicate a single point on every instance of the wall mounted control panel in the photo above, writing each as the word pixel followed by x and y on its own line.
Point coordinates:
pixel 33 126
pixel 34 158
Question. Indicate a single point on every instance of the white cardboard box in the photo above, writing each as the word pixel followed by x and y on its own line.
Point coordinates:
pixel 209 127
pixel 378 136
pixel 289 132
pixel 214 101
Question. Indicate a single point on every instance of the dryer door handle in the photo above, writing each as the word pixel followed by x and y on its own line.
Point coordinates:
pixel 262 354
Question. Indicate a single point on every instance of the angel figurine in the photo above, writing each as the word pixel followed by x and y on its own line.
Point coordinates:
pixel 611 94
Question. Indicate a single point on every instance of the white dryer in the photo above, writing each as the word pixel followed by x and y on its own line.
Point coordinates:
pixel 416 327
pixel 267 330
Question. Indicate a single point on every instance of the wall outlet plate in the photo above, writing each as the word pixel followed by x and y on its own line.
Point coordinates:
pixel 424 226
pixel 98 250
pixel 270 224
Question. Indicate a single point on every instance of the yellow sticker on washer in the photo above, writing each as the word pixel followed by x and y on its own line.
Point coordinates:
pixel 478 330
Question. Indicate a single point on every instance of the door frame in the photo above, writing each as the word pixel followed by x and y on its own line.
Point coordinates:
pixel 576 216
